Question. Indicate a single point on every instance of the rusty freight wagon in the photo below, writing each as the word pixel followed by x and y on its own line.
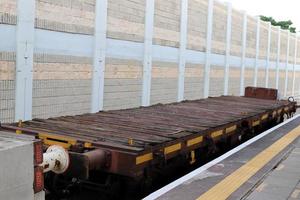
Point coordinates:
pixel 138 144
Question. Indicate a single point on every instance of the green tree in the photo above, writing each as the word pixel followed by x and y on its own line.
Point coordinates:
pixel 285 25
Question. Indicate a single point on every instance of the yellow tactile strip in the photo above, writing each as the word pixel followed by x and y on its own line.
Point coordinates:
pixel 235 180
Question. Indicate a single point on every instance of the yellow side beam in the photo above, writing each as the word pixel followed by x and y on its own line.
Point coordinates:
pixel 194 141
pixel 172 148
pixel 256 123
pixel 216 133
pixel 230 129
pixel 49 139
pixel 143 158
pixel 264 117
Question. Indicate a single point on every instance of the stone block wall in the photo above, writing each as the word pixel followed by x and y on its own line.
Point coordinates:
pixel 292 50
pixel 8 7
pixel 8 11
pixel 122 84
pixel 219 28
pixel 7 86
pixel 283 46
pixel 263 44
pixel 249 76
pixel 290 83
pixel 197 22
pixel 261 78
pixel 164 82
pixel 193 81
pixel 251 37
pixel 281 82
pixel 167 23
pixel 234 81
pixel 272 78
pixel 73 16
pixel 216 81
pixel 297 84
pixel 61 85
pixel 274 44
pixel 236 33
pixel 126 20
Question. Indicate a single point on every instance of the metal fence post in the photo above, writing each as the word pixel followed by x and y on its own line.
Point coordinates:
pixel 268 55
pixel 99 56
pixel 208 47
pixel 147 65
pixel 295 63
pixel 287 65
pixel 243 61
pixel 24 59
pixel 228 47
pixel 182 50
pixel 257 51
pixel 278 57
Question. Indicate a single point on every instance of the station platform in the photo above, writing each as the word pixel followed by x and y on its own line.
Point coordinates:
pixel 265 167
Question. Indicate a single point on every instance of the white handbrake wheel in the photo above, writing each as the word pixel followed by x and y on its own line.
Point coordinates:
pixel 56 159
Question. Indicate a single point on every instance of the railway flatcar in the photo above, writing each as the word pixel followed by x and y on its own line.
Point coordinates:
pixel 128 150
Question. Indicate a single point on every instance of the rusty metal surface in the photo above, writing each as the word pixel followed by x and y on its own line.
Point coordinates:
pixel 261 93
pixel 139 129
pixel 97 159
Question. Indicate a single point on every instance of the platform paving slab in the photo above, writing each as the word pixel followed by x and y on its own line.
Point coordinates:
pixel 283 182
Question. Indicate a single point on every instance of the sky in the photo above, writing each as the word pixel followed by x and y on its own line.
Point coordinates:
pixel 278 9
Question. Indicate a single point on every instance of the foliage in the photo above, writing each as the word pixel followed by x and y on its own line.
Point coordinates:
pixel 285 25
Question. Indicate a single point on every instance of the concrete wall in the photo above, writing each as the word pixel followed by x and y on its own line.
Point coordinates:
pixel 16 180
pixel 64 49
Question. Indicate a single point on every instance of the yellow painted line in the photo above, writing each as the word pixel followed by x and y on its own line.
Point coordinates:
pixel 216 133
pixel 264 117
pixel 230 129
pixel 172 148
pixel 231 183
pixel 144 158
pixel 256 123
pixel 49 140
pixel 194 141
